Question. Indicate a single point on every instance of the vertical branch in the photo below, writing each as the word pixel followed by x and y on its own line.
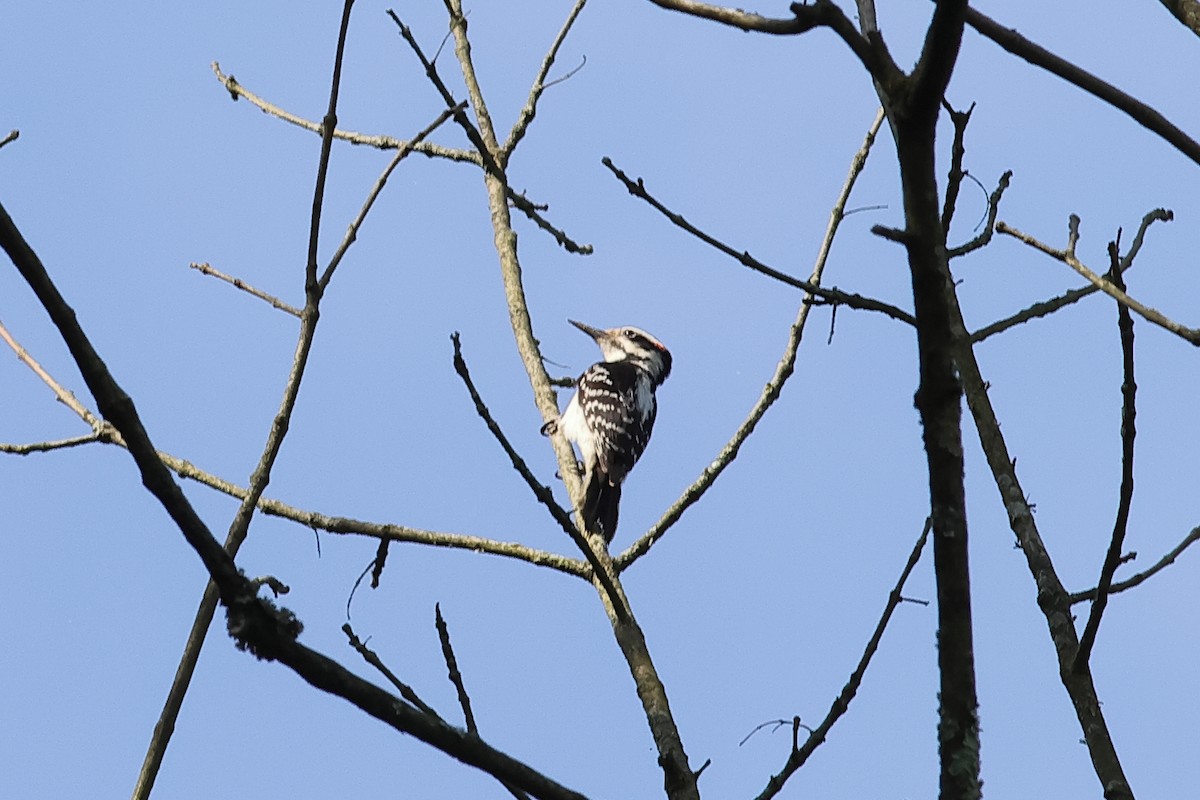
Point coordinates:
pixel 679 780
pixel 262 474
pixel 912 110
pixel 1128 431
pixel 1052 597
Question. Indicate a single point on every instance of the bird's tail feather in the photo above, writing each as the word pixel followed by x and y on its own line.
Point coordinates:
pixel 601 505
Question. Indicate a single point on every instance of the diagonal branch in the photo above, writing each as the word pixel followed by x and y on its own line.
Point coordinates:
pixel 261 476
pixel 822 13
pixel 464 699
pixel 256 624
pixel 372 658
pixel 542 492
pixel 841 704
pixel 1067 256
pixel 237 90
pixel 1048 307
pixel 1186 11
pixel 638 189
pixel 66 397
pixel 529 111
pixel 989 228
pixel 373 195
pixel 775 386
pixel 207 269
pixel 1128 432
pixel 1135 580
pixel 46 447
pixel 1052 597
pixel 531 210
pixel 1037 55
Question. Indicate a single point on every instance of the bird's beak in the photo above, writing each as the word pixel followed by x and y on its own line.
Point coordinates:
pixel 595 333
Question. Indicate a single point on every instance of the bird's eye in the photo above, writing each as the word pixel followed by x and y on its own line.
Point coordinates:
pixel 630 333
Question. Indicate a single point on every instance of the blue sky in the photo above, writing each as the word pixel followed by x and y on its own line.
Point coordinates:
pixel 133 162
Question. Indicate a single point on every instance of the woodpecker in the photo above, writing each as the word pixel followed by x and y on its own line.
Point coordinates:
pixel 611 416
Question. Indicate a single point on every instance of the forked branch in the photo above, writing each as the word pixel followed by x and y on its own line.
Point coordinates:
pixel 783 369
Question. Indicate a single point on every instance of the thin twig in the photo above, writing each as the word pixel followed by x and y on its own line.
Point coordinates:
pixel 207 269
pixel 372 658
pixel 486 159
pixel 373 195
pixel 529 111
pixel 841 704
pixel 638 189
pixel 464 700
pixel 531 210
pixel 985 236
pixel 1135 580
pixel 64 396
pixel 774 387
pixel 1128 433
pixel 46 447
pixel 12 136
pixel 380 142
pixel 1067 256
pixel 1048 307
pixel 960 120
pixel 805 18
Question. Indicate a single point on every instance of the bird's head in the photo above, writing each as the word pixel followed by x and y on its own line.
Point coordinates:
pixel 632 344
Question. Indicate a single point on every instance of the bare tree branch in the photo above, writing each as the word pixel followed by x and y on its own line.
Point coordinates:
pixel 261 476
pixel 1052 598
pixel 1186 11
pixel 1067 256
pixel 782 371
pixel 529 111
pixel 10 137
pixel 98 426
pixel 638 189
pixel 237 90
pixel 958 150
pixel 985 236
pixel 1141 113
pixel 373 195
pixel 207 269
pixel 542 492
pixel 841 704
pixel 1128 433
pixel 46 447
pixel 1164 562
pixel 372 658
pixel 256 624
pixel 1048 307
pixel 822 13
pixel 529 209
pixel 383 142
pixel 464 700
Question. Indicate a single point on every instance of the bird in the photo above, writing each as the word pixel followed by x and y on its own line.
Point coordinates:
pixel 611 415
